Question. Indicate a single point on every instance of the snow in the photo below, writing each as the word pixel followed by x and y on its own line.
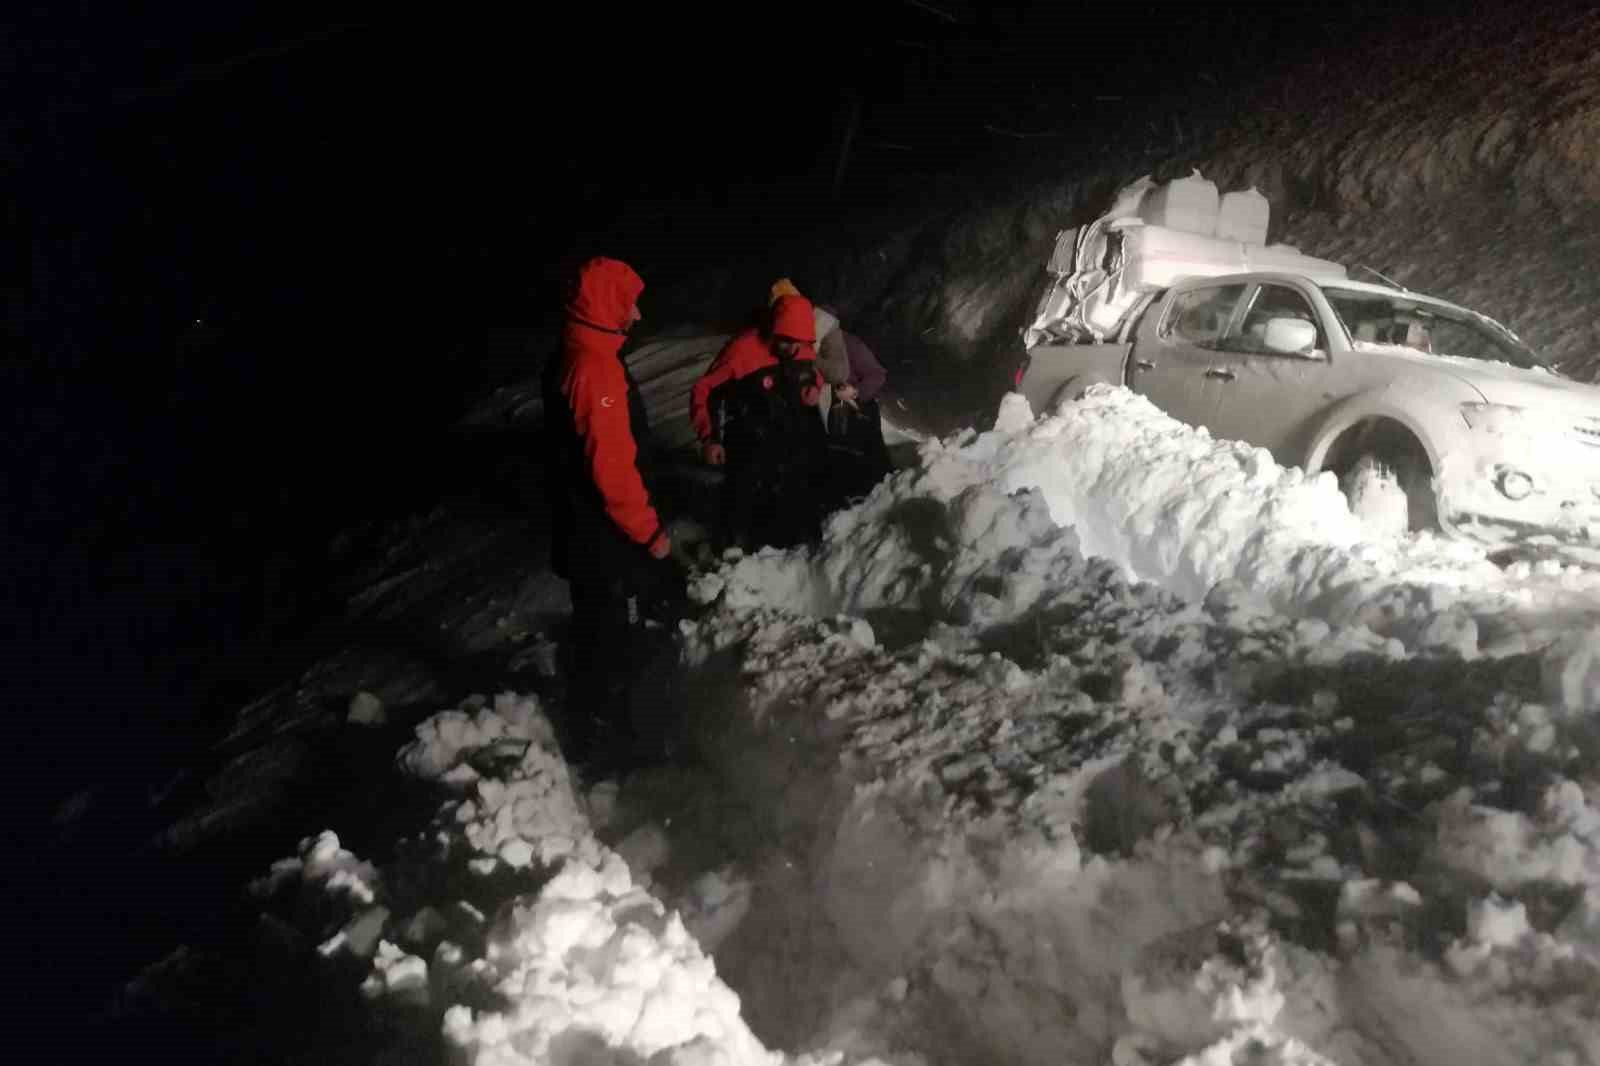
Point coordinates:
pixel 577 963
pixel 1572 672
pixel 1160 755
pixel 1172 506
pixel 593 964
pixel 1558 844
pixel 1086 739
pixel 366 709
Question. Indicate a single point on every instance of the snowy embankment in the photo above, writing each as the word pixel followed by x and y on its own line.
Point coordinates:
pixel 1168 505
pixel 1276 797
pixel 508 924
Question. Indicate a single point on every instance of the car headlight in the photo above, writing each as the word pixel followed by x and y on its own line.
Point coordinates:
pixel 1494 417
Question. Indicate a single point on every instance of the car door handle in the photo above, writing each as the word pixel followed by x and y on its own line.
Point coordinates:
pixel 1221 374
pixel 1143 364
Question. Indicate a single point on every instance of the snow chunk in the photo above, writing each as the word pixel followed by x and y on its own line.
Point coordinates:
pixel 1559 845
pixel 1015 415
pixel 1571 672
pixel 366 709
pixel 398 976
pixel 322 865
pixel 444 742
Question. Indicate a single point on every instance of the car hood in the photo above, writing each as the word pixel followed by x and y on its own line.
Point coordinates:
pixel 1536 390
pixel 1503 383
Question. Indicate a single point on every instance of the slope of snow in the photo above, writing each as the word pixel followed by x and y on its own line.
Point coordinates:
pixel 550 951
pixel 1249 787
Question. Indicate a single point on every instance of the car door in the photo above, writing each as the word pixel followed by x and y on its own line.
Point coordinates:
pixel 1264 396
pixel 1176 348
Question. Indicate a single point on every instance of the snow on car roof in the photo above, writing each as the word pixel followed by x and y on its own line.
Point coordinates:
pixel 1388 290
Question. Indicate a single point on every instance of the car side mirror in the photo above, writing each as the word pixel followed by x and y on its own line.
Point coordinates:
pixel 1289 336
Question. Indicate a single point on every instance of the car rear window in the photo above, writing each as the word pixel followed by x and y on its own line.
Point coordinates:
pixel 1199 316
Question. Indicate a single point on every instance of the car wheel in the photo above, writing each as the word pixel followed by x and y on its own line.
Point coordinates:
pixel 1393 496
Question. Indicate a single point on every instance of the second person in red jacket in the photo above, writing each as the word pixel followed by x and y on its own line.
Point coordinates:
pixel 755 412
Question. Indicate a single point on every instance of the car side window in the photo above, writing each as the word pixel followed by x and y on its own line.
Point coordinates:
pixel 1200 316
pixel 1270 302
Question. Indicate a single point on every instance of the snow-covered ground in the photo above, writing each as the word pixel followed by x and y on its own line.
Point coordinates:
pixel 1087 739
pixel 1249 779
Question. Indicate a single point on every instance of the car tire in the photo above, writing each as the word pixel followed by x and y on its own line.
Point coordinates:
pixel 1392 495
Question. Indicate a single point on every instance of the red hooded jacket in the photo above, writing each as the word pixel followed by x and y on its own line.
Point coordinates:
pixel 749 351
pixel 592 383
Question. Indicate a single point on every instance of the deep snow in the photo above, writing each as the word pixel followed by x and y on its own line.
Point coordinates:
pixel 1262 782
pixel 1086 739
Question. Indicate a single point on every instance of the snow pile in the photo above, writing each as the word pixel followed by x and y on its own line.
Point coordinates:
pixel 549 952
pixel 332 895
pixel 1276 806
pixel 1116 478
pixel 519 809
pixel 592 967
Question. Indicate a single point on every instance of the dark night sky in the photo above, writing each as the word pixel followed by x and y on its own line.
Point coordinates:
pixel 299 159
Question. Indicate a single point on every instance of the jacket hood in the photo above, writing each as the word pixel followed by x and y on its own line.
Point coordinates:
pixel 603 292
pixel 792 317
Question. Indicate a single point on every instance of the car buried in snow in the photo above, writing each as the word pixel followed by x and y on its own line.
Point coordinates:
pixel 1432 416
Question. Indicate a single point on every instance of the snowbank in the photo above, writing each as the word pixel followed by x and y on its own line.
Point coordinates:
pixel 1167 504
pixel 508 927
pixel 1250 785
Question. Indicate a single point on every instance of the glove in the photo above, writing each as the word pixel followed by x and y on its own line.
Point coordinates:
pixel 664 588
pixel 715 454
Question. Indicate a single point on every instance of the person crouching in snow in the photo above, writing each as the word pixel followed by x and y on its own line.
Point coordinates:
pixel 857 456
pixel 607 539
pixel 755 412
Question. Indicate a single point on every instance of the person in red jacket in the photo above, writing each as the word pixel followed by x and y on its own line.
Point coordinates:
pixel 755 412
pixel 607 539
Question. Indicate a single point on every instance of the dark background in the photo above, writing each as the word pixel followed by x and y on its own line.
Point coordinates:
pixel 249 254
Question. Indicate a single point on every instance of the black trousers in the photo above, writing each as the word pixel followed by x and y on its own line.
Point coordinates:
pixel 772 493
pixel 621 622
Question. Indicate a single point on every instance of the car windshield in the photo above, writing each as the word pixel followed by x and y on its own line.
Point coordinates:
pixel 1385 318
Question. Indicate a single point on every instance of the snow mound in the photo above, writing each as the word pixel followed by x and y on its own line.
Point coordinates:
pixel 549 952
pixel 1113 477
